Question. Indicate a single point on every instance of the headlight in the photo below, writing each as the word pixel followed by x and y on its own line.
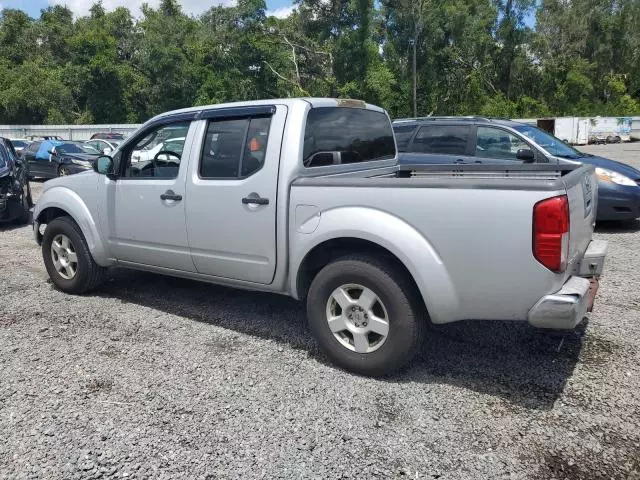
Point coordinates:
pixel 610 176
pixel 82 163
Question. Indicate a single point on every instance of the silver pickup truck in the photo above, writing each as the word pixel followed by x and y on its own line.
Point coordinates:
pixel 304 197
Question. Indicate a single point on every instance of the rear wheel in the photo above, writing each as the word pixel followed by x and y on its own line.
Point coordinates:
pixel 364 313
pixel 67 258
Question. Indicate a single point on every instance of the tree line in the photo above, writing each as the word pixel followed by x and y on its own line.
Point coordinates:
pixel 471 57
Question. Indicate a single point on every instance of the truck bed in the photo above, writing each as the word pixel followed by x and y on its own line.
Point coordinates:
pixel 475 219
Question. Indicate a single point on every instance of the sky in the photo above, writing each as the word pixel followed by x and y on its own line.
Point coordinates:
pixel 279 8
pixel 81 7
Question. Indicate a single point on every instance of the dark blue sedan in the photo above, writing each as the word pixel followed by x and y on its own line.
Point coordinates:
pixel 473 140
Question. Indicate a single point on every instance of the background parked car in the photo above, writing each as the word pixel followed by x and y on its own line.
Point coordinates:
pixel 463 140
pixel 34 138
pixel 19 144
pixel 106 147
pixel 54 158
pixel 15 194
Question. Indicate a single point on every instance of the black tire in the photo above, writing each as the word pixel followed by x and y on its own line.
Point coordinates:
pixel 63 171
pixel 88 273
pixel 400 299
pixel 26 203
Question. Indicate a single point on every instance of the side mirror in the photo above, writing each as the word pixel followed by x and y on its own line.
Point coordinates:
pixel 51 152
pixel 104 165
pixel 106 151
pixel 526 155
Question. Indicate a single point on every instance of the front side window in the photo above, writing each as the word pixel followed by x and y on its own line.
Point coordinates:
pixel 158 153
pixel 496 143
pixel 234 148
pixel 442 139
pixel 339 135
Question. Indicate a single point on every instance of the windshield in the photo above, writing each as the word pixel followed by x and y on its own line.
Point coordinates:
pixel 18 143
pixel 76 148
pixel 551 144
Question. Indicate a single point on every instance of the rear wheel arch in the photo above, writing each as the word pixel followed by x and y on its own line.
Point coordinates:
pixel 331 250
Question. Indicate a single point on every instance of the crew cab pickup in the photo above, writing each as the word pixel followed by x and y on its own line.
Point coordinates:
pixel 304 197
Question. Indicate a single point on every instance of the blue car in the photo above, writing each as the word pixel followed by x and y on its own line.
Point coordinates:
pixel 477 140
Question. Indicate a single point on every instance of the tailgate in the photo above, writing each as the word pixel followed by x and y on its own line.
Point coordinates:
pixel 582 191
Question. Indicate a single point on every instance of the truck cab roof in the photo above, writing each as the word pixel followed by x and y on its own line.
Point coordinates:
pixel 313 102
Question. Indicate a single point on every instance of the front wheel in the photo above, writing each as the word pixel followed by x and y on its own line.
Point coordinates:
pixel 63 171
pixel 25 204
pixel 364 313
pixel 67 258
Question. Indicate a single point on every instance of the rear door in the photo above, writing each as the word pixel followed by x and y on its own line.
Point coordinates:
pixel 231 211
pixel 440 144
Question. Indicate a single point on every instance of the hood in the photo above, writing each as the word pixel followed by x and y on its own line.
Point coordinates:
pixel 622 168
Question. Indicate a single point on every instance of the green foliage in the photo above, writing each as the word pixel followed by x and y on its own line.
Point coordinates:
pixel 472 56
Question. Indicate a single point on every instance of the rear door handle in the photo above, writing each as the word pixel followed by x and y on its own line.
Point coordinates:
pixel 459 160
pixel 170 195
pixel 255 201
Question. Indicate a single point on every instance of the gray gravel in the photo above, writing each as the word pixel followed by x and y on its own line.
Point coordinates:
pixel 154 377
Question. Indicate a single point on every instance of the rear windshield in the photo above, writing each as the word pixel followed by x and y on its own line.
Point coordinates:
pixel 18 143
pixel 338 135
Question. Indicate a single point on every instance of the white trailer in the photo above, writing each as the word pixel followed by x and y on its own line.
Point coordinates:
pixel 610 129
pixel 573 130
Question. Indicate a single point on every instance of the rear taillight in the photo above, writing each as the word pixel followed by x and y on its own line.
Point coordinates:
pixel 551 232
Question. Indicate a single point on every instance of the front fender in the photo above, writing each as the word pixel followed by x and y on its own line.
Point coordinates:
pixel 67 200
pixel 395 235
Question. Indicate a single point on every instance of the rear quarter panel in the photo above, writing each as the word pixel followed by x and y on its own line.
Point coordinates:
pixel 469 250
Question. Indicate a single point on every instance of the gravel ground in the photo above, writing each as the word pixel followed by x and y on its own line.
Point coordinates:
pixel 154 377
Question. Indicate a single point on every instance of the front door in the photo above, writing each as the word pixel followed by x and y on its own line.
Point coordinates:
pixel 232 187
pixel 146 205
pixel 498 146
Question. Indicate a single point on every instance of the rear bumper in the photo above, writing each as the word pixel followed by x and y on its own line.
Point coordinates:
pixel 566 308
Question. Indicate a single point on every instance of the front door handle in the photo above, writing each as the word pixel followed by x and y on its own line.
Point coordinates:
pixel 255 201
pixel 459 160
pixel 170 195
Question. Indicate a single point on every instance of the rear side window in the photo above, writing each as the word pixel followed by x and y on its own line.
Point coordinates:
pixel 234 148
pixel 403 135
pixel 339 135
pixel 442 139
